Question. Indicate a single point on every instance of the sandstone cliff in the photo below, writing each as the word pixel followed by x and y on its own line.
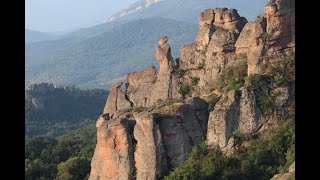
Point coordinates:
pixel 236 78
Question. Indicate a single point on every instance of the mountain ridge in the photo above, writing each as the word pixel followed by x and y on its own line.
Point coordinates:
pixel 184 10
pixel 37 36
pixel 128 38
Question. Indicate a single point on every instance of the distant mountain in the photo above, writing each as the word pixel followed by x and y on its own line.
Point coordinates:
pixel 186 10
pixel 36 36
pixel 139 5
pixel 97 61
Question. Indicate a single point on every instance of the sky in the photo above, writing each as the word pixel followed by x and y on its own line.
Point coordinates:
pixel 69 15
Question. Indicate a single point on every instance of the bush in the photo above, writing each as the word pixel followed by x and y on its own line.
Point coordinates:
pixel 201 65
pixel 194 81
pixel 180 72
pixel 264 103
pixel 254 81
pixel 233 77
pixel 185 88
pixel 265 36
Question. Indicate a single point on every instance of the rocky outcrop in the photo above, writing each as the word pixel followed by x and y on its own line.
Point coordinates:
pixel 161 115
pixel 163 55
pixel 250 117
pixel 113 156
pixel 251 43
pixel 223 120
pixel 181 129
pixel 271 34
pixel 280 15
pixel 139 86
pixel 286 176
pixel 116 99
pixel 150 156
pixel 157 139
pixel 148 87
pixel 213 49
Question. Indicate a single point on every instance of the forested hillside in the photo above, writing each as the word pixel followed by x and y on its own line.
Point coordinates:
pixel 98 61
pixel 53 110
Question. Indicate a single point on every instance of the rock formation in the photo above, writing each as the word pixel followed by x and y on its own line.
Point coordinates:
pixel 113 157
pixel 116 99
pixel 286 176
pixel 151 127
pixel 148 143
pixel 213 49
pixel 150 157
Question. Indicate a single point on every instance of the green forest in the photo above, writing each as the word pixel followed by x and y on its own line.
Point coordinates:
pixel 53 111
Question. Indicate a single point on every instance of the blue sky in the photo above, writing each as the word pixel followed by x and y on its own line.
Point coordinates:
pixel 67 15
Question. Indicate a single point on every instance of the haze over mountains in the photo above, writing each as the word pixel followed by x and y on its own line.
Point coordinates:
pixel 185 10
pixel 36 36
pixel 95 57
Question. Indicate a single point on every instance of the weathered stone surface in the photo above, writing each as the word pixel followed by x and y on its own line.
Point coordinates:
pixel 250 118
pixel 251 42
pixel 280 16
pixel 223 120
pixel 139 86
pixel 218 18
pixel 166 85
pixel 229 19
pixel 206 17
pixel 116 99
pixel 282 96
pixel 147 87
pixel 163 55
pixel 213 49
pixel 222 41
pixel 150 156
pixel 113 156
pixel 250 35
pixel 181 129
pixel 163 40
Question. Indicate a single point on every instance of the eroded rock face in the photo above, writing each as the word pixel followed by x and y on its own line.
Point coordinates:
pixel 218 18
pixel 182 128
pixel 113 156
pixel 150 156
pixel 271 34
pixel 147 87
pixel 163 55
pixel 139 86
pixel 116 99
pixel 250 117
pixel 213 49
pixel 162 137
pixel 223 120
pixel 280 15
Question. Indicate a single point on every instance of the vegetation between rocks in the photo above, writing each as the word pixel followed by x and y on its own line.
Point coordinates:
pixel 268 155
